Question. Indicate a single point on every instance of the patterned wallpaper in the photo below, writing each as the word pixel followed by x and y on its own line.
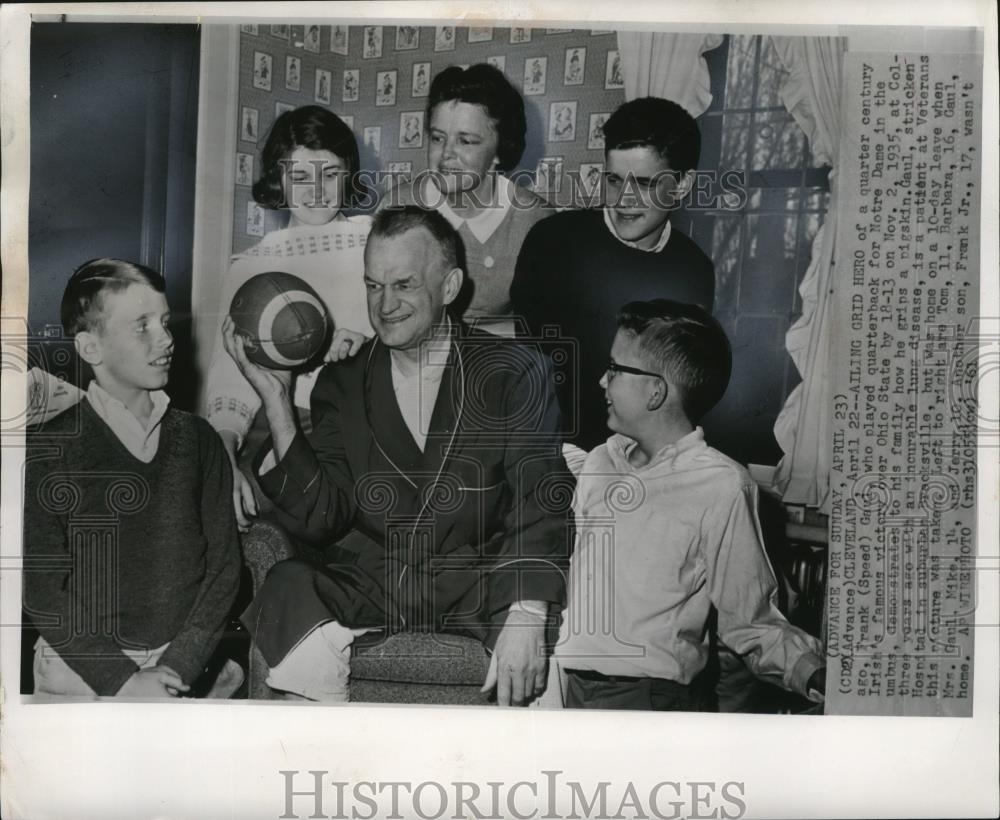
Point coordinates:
pixel 377 78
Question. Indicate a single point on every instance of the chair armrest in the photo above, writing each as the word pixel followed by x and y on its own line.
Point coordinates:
pixel 267 543
pixel 264 546
pixel 422 658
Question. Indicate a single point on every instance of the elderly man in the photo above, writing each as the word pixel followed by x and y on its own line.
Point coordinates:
pixel 431 451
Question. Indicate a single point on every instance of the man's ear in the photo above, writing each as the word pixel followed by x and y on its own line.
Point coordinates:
pixel 684 186
pixel 88 347
pixel 452 284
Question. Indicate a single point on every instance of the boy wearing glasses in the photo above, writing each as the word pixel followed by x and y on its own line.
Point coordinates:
pixel 576 266
pixel 667 530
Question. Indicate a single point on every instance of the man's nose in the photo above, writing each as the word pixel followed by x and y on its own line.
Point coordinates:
pixel 449 148
pixel 390 301
pixel 632 198
pixel 603 381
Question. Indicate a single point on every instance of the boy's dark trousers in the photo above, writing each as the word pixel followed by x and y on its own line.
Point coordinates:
pixel 592 690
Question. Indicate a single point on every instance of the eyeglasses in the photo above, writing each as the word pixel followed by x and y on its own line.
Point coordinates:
pixel 614 368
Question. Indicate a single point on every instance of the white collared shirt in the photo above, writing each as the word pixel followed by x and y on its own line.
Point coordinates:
pixel 659 246
pixel 656 547
pixel 416 387
pixel 141 442
pixel 483 224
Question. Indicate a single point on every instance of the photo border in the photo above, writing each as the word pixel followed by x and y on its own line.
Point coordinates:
pixel 854 767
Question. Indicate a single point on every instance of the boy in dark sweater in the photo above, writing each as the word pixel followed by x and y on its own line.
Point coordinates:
pixel 576 267
pixel 130 542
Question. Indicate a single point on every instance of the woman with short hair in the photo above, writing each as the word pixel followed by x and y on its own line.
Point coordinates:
pixel 476 129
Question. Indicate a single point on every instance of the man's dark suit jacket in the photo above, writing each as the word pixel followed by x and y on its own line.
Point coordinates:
pixel 445 539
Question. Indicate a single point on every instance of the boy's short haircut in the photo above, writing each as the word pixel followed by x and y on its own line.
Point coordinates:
pixel 687 345
pixel 315 128
pixel 394 221
pixel 82 307
pixel 651 122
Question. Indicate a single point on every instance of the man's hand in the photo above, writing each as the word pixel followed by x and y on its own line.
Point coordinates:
pixel 345 344
pixel 155 682
pixel 519 666
pixel 273 386
pixel 244 501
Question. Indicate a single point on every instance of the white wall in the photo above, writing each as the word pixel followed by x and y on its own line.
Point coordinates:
pixel 214 180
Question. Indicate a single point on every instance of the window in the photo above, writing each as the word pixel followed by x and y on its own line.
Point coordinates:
pixel 761 250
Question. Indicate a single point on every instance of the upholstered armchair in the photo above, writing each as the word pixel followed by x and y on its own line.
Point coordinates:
pixel 405 668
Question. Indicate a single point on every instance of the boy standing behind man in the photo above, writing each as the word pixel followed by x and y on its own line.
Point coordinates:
pixel 130 541
pixel 576 267
pixel 667 529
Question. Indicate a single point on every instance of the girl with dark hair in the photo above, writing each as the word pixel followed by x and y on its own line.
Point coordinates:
pixel 309 169
pixel 476 127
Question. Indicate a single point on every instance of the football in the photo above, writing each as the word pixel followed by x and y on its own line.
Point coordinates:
pixel 281 318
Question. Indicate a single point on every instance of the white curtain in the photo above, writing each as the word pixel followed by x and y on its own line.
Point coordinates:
pixel 671 66
pixel 803 430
